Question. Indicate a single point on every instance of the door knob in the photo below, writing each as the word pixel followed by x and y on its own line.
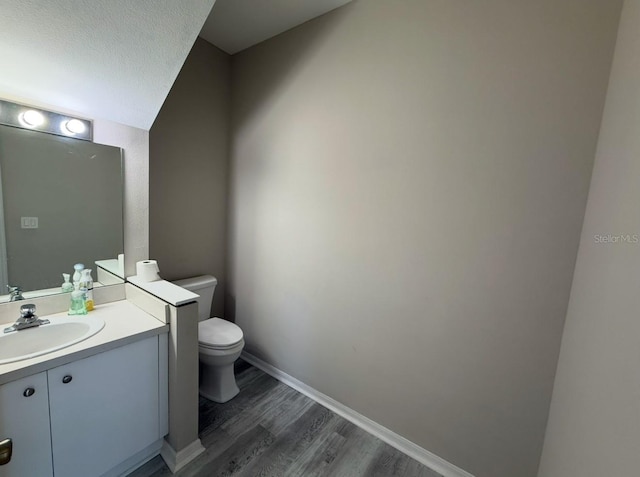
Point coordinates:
pixel 29 392
pixel 6 449
pixel 67 379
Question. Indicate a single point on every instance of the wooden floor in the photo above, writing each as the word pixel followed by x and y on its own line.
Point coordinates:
pixel 270 429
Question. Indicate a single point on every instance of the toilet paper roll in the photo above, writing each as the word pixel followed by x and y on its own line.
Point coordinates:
pixel 147 271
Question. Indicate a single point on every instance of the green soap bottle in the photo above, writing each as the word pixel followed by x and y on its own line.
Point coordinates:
pixel 78 304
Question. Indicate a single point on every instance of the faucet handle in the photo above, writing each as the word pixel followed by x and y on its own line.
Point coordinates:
pixel 14 288
pixel 28 310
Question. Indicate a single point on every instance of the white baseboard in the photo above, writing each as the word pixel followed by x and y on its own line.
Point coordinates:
pixel 441 466
pixel 177 460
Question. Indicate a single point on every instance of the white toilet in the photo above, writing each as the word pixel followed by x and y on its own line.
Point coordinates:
pixel 220 343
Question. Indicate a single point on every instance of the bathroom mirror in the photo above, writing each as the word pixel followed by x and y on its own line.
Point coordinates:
pixel 61 203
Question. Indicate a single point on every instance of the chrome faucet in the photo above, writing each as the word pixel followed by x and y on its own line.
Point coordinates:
pixel 28 319
pixel 15 293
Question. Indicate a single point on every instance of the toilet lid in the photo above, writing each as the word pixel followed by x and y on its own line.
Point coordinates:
pixel 216 332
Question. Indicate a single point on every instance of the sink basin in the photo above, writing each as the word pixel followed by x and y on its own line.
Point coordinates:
pixel 63 331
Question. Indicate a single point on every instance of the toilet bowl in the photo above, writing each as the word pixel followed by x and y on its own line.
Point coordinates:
pixel 220 343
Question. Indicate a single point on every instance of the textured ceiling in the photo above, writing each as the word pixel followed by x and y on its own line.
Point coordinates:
pixel 234 25
pixel 113 59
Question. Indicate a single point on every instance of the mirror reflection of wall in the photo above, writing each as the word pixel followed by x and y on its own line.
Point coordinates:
pixel 73 189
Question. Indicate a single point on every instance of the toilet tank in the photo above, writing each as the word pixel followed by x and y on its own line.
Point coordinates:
pixel 204 285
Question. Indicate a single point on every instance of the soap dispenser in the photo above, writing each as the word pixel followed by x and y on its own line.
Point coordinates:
pixel 78 305
pixel 77 275
pixel 86 285
pixel 67 286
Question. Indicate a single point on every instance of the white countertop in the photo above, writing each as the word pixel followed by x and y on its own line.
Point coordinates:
pixel 166 291
pixel 111 265
pixel 33 294
pixel 124 324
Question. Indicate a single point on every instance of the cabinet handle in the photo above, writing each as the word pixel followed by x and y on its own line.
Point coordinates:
pixel 6 449
pixel 67 379
pixel 29 392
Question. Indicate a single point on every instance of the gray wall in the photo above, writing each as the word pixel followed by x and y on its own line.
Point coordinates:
pixel 408 183
pixel 594 426
pixel 188 172
pixel 75 189
pixel 135 145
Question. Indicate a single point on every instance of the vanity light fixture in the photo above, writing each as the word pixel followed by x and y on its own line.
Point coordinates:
pixel 25 117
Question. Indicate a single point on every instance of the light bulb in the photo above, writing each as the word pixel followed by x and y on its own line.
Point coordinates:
pixel 31 118
pixel 73 126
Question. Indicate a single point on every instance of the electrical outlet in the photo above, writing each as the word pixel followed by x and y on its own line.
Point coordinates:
pixel 29 222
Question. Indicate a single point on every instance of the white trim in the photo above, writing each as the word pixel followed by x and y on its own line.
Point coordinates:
pixel 438 464
pixel 177 460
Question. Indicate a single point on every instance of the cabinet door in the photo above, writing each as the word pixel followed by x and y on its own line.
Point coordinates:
pixel 104 409
pixel 24 418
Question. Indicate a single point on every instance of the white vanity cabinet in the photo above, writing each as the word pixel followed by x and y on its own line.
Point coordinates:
pixel 90 417
pixel 24 418
pixel 104 409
